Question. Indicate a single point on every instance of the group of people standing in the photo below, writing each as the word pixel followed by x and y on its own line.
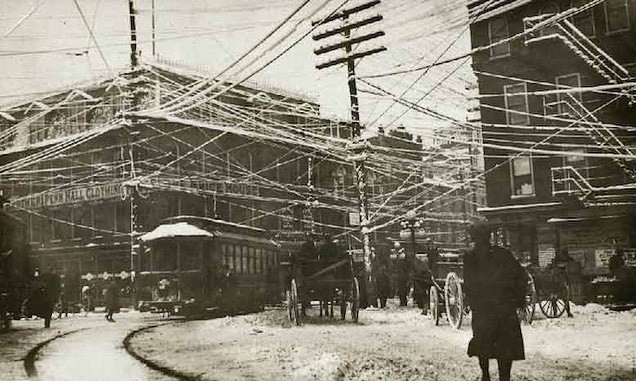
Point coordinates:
pixel 45 295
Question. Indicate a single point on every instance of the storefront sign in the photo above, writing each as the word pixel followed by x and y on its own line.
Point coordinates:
pixel 71 196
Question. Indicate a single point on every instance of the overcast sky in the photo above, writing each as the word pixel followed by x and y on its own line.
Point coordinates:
pixel 47 50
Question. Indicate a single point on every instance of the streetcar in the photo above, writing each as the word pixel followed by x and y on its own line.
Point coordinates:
pixel 192 265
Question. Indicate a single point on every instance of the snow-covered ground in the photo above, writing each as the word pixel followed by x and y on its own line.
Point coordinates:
pixel 390 344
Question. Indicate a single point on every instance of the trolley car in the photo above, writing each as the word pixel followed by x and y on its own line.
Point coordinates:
pixel 329 282
pixel 195 265
pixel 446 295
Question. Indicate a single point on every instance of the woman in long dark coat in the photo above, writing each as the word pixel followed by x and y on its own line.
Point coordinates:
pixel 495 288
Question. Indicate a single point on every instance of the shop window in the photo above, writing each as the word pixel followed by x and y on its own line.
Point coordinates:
pixel 497 31
pixel 516 100
pixel 521 176
pixel 584 21
pixel 616 15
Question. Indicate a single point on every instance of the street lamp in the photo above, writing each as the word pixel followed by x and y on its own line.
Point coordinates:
pixel 411 223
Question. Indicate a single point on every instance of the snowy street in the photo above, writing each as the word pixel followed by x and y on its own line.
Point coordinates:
pixel 391 344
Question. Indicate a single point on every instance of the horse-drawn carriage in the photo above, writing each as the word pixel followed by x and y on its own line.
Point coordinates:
pixel 547 286
pixel 328 281
pixel 446 295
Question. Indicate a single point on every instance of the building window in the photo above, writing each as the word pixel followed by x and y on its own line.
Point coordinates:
pixel 578 162
pixel 616 15
pixel 517 104
pixel 567 101
pixel 551 10
pixel 584 20
pixel 497 31
pixel 521 176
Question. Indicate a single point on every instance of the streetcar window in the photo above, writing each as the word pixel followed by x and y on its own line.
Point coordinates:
pixel 252 259
pixel 189 255
pixel 234 261
pixel 260 264
pixel 166 257
pixel 244 258
pixel 224 257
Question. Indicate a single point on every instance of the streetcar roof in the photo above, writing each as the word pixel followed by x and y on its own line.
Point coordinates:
pixel 179 229
pixel 212 221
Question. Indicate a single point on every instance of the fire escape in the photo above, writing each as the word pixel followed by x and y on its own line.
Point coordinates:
pixel 568 180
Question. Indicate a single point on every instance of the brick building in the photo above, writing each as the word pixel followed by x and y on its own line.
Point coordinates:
pixel 558 126
pixel 75 163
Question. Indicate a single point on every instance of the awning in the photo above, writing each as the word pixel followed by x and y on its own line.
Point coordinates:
pixel 180 229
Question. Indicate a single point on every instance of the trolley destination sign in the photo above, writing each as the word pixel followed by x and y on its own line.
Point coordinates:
pixel 71 196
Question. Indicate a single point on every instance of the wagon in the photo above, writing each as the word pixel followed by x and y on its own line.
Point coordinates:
pixel 330 282
pixel 549 288
pixel 446 295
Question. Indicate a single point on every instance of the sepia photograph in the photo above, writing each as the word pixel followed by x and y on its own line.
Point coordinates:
pixel 318 190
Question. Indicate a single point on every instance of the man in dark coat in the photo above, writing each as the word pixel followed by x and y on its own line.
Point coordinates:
pixel 45 294
pixel 112 300
pixel 495 288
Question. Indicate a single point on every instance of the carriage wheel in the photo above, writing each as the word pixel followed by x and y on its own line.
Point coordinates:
pixel 292 303
pixel 454 300
pixel 526 314
pixel 553 306
pixel 433 303
pixel 355 299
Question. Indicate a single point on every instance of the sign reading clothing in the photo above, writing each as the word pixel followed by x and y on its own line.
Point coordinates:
pixel 71 196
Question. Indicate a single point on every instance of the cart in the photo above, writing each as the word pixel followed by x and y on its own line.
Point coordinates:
pixel 328 282
pixel 446 295
pixel 548 287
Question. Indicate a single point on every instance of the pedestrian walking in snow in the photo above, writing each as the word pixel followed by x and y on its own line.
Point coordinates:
pixel 45 294
pixel 112 300
pixel 86 299
pixel 495 288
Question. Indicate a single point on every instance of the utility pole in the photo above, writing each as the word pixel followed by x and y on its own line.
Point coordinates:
pixel 345 29
pixel 154 50
pixel 131 152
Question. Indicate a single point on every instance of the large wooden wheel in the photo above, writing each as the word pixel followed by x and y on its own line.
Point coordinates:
pixel 292 303
pixel 433 302
pixel 355 299
pixel 454 300
pixel 552 301
pixel 526 314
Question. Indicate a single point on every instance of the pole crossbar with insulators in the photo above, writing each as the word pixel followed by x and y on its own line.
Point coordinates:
pixel 345 28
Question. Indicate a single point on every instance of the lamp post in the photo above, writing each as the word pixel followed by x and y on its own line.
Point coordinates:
pixel 411 223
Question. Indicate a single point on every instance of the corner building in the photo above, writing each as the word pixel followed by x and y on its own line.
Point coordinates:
pixel 558 119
